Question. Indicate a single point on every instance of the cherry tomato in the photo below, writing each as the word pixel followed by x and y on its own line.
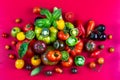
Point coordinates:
pixel 35 60
pixel 62 35
pixel 54 55
pixel 92 65
pixel 18 20
pixel 69 16
pixel 110 36
pixel 11 56
pixel 28 27
pixel 67 63
pixel 58 70
pixel 36 10
pixel 4 35
pixel 19 63
pixel 18 45
pixel 13 42
pixel 7 47
pixel 111 49
pixel 95 53
pixel 100 60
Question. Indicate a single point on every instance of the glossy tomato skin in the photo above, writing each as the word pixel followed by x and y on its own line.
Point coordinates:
pixel 35 60
pixel 19 63
pixel 62 35
pixel 54 55
pixel 67 63
pixel 28 27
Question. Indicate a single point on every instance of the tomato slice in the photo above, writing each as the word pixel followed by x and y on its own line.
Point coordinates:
pixel 69 16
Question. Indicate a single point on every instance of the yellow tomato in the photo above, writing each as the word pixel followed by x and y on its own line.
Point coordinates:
pixel 20 36
pixel 60 24
pixel 19 63
pixel 35 60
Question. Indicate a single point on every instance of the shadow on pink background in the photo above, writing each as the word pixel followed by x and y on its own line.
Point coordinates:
pixel 102 11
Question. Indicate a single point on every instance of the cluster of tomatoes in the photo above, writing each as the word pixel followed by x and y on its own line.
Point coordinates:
pixel 53 40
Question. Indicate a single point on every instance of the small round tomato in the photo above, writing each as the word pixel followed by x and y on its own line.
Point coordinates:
pixel 54 55
pixel 69 16
pixel 18 45
pixel 36 10
pixel 13 42
pixel 100 60
pixel 62 35
pixel 35 60
pixel 7 47
pixel 18 20
pixel 67 63
pixel 58 70
pixel 20 36
pixel 19 63
pixel 28 27
pixel 11 56
pixel 92 65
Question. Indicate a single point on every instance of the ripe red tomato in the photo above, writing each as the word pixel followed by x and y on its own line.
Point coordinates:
pixel 67 63
pixel 62 35
pixel 28 27
pixel 18 45
pixel 69 16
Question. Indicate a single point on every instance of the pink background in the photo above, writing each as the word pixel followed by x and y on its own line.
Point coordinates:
pixel 102 11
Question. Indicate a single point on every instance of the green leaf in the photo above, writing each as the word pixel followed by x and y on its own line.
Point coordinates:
pixel 55 24
pixel 36 71
pixel 23 49
pixel 46 12
pixel 43 23
pixel 56 14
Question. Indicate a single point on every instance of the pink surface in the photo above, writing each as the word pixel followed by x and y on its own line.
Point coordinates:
pixel 102 11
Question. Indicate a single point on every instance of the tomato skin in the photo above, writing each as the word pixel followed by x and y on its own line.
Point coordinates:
pixel 77 49
pixel 54 55
pixel 19 63
pixel 18 45
pixel 35 60
pixel 28 27
pixel 62 35
pixel 69 16
pixel 29 53
pixel 67 63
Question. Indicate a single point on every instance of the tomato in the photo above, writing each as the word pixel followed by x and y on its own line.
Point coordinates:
pixel 45 59
pixel 77 49
pixel 54 55
pixel 92 65
pixel 35 60
pixel 36 10
pixel 20 36
pixel 100 60
pixel 58 70
pixel 69 16
pixel 67 63
pixel 28 27
pixel 19 63
pixel 60 24
pixel 62 35
pixel 29 53
pixel 18 45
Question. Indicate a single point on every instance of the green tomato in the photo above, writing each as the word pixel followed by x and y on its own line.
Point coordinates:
pixel 71 41
pixel 46 39
pixel 53 30
pixel 74 32
pixel 14 31
pixel 38 30
pixel 79 60
pixel 53 37
pixel 40 37
pixel 65 55
pixel 30 34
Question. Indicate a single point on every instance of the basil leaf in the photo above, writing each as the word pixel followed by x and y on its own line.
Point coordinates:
pixel 36 71
pixel 42 23
pixel 55 24
pixel 30 34
pixel 56 14
pixel 46 12
pixel 23 49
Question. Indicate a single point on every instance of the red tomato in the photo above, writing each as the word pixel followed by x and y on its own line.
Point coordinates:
pixel 18 45
pixel 62 35
pixel 69 16
pixel 67 63
pixel 29 53
pixel 28 27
